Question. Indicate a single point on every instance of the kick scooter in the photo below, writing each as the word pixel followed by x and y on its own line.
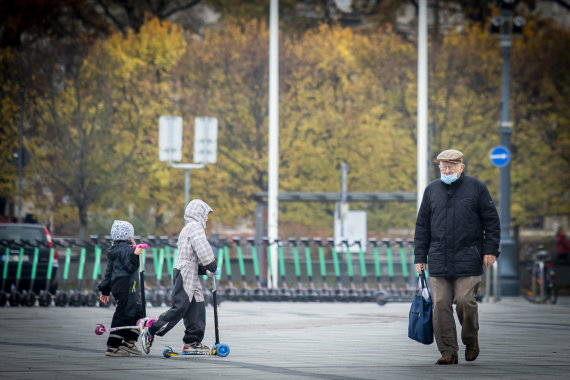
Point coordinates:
pixel 218 348
pixel 100 328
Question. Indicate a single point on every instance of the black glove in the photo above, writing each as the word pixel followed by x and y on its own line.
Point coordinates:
pixel 212 267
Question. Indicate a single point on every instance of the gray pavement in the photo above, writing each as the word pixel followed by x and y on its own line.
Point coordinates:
pixel 291 341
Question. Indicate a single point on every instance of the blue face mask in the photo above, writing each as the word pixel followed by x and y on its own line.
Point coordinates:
pixel 448 178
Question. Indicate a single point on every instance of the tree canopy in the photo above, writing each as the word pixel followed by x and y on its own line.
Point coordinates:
pixel 92 109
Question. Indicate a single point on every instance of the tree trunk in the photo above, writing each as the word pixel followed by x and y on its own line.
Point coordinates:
pixel 83 222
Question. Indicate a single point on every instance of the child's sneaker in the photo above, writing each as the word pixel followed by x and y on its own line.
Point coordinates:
pixel 196 348
pixel 130 347
pixel 146 340
pixel 115 352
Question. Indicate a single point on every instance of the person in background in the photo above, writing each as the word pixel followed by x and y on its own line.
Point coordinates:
pixel 562 246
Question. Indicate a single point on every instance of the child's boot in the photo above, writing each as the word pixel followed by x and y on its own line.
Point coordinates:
pixel 130 347
pixel 115 352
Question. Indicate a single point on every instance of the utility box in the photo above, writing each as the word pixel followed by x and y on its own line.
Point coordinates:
pixel 351 228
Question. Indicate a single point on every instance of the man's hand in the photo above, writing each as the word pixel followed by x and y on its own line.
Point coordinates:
pixel 489 260
pixel 104 299
pixel 420 267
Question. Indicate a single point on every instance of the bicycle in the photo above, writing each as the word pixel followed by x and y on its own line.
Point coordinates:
pixel 543 278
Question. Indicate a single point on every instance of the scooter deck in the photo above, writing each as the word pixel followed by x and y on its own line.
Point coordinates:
pixel 170 353
pixel 219 349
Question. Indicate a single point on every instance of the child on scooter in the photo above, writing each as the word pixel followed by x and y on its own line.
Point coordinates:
pixel 187 300
pixel 122 279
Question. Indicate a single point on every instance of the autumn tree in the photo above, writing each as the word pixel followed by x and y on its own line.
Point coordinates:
pixel 98 120
pixel 345 96
pixel 225 76
pixel 9 122
pixel 330 113
pixel 541 123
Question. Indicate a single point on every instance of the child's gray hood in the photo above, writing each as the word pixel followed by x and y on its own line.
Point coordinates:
pixel 197 210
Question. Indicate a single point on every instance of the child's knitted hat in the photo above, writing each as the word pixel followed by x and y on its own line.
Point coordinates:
pixel 122 230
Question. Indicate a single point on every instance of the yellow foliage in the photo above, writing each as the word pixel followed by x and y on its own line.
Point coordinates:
pixel 344 97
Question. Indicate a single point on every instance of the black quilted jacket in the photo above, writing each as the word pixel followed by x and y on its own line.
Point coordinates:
pixel 121 262
pixel 457 224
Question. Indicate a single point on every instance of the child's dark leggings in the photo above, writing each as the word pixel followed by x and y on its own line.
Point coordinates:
pixel 193 313
pixel 128 311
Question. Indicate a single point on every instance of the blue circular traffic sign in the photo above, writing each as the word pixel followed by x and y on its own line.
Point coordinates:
pixel 499 156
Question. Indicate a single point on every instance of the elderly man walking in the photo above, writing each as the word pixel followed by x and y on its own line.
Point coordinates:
pixel 457 232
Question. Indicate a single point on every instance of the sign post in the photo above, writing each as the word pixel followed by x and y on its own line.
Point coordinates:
pixel 170 145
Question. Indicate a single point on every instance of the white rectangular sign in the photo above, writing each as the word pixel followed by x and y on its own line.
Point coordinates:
pixel 170 138
pixel 353 229
pixel 205 140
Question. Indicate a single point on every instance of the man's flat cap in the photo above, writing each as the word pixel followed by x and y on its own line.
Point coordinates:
pixel 450 155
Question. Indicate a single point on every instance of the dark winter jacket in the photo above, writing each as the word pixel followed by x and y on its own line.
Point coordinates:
pixel 457 224
pixel 121 262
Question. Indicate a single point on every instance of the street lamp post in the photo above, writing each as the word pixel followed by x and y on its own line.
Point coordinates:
pixel 508 279
pixel 20 154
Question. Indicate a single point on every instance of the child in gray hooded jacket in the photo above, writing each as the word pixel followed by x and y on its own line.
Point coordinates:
pixel 194 251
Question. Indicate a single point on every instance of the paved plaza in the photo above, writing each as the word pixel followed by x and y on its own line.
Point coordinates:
pixel 271 340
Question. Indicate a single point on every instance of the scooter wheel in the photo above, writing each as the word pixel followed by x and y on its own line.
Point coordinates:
pixel 341 295
pixel 91 299
pixel 221 350
pixel 100 329
pixel 167 353
pixel 258 294
pixel 61 299
pixel 29 300
pixel 285 295
pixel 381 301
pixel 45 299
pixel 381 298
pixel 15 298
pixel 231 294
pixel 156 300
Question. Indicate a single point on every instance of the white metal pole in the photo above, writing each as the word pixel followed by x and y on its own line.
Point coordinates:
pixel 186 168
pixel 273 170
pixel 186 190
pixel 422 102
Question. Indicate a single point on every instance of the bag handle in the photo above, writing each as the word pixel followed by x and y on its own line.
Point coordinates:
pixel 422 283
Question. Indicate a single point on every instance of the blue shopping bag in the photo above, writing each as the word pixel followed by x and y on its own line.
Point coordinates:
pixel 420 327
